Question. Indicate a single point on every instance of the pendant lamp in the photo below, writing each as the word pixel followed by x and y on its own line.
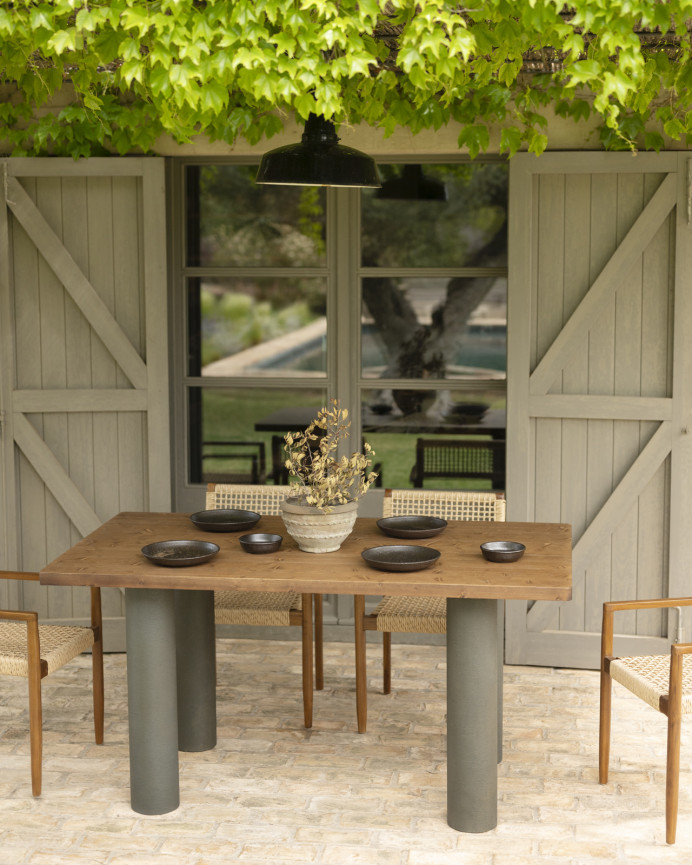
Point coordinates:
pixel 318 160
pixel 413 185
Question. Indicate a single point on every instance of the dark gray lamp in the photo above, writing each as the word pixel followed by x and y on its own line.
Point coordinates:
pixel 318 160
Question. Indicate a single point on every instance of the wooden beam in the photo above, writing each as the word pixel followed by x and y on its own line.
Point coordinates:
pixel 66 400
pixel 54 476
pixel 585 406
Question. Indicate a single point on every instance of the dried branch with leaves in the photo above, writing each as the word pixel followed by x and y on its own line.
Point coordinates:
pixel 321 478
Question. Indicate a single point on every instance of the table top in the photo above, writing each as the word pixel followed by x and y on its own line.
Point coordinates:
pixel 110 556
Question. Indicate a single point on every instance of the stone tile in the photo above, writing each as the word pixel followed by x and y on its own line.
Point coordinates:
pixel 272 792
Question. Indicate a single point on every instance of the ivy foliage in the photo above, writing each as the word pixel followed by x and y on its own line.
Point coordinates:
pixel 140 69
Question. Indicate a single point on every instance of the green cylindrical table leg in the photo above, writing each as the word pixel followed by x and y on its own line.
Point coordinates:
pixel 196 665
pixel 472 693
pixel 152 701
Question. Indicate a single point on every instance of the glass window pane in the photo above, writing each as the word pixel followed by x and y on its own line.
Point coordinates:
pixel 253 327
pixel 233 222
pixel 236 435
pixel 468 228
pixel 444 416
pixel 433 328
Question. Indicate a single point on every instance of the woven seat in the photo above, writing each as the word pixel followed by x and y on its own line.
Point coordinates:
pixel 406 614
pixel 34 651
pixel 664 682
pixel 270 608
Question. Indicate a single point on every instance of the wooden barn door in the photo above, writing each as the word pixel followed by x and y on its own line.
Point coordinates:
pixel 83 363
pixel 599 390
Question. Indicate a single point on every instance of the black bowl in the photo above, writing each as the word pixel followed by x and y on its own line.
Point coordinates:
pixel 401 557
pixel 411 526
pixel 260 542
pixel 225 520
pixel 179 554
pixel 503 551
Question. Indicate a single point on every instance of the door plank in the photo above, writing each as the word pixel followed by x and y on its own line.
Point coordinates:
pixel 76 284
pixel 605 285
pixel 600 528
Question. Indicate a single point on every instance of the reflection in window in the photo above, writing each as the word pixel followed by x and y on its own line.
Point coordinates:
pixel 468 229
pixel 428 328
pixel 232 222
pixel 253 327
pixel 236 435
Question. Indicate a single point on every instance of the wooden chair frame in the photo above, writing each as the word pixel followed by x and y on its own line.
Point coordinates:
pixel 487 505
pixel 253 497
pixel 670 705
pixel 450 455
pixel 38 670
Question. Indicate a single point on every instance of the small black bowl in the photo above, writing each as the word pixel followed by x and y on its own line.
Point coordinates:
pixel 260 542
pixel 503 551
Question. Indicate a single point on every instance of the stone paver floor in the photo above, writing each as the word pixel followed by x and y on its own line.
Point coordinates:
pixel 272 792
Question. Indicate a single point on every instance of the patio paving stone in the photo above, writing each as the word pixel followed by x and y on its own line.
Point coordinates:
pixel 272 792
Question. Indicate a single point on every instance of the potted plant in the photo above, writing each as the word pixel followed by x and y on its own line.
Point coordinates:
pixel 321 509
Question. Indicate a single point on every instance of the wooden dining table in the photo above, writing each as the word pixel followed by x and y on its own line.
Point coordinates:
pixel 170 631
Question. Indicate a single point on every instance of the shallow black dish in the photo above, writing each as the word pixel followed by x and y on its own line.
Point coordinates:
pixel 400 557
pixel 260 542
pixel 412 526
pixel 225 520
pixel 178 554
pixel 502 551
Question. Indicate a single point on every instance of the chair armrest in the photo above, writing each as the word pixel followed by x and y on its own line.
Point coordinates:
pixel 611 607
pixel 18 575
pixel 19 616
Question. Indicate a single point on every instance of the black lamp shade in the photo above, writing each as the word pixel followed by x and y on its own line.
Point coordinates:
pixel 413 185
pixel 318 160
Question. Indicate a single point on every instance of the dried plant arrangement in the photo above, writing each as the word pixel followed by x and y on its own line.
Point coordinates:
pixel 321 479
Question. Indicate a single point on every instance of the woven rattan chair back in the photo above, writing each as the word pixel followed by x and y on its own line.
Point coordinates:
pixel 447 505
pixel 35 651
pixel 269 608
pixel 664 682
pixel 414 615
pixel 261 498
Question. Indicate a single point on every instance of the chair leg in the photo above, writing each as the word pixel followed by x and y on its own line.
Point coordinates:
pixel 604 728
pixel 361 681
pixel 387 662
pixel 35 729
pixel 319 642
pixel 97 678
pixel 672 770
pixel 307 659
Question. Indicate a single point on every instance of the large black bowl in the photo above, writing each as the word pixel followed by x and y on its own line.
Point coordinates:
pixel 400 557
pixel 179 554
pixel 225 520
pixel 412 526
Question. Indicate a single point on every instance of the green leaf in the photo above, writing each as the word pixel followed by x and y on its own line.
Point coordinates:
pixel 476 138
pixel 510 140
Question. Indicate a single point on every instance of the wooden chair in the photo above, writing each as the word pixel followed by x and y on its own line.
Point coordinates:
pixel 662 681
pixel 270 608
pixel 35 651
pixel 482 459
pixel 234 462
pixel 406 614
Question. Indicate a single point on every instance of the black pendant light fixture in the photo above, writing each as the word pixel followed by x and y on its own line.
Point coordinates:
pixel 318 160
pixel 413 185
